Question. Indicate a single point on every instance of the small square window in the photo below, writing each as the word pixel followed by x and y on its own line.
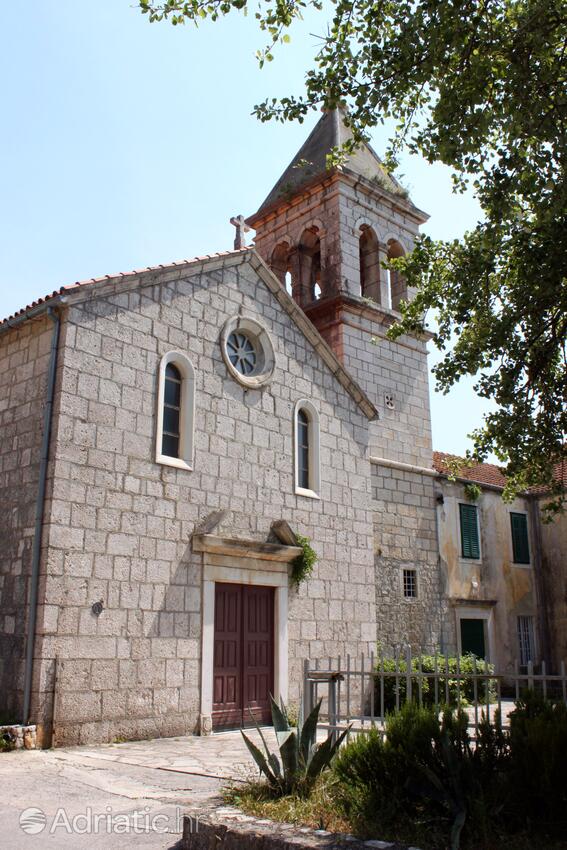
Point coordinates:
pixel 410 584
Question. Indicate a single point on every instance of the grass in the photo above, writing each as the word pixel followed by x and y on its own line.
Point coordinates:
pixel 317 811
pixel 322 811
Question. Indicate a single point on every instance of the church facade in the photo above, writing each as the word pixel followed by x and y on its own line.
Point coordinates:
pixel 168 432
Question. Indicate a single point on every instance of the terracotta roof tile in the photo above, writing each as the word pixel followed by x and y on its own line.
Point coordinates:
pixel 70 286
pixel 481 473
pixel 489 473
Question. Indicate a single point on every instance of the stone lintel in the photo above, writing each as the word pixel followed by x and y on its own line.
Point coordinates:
pixel 479 603
pixel 244 548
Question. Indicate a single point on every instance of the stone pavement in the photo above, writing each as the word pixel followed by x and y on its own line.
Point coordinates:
pixel 97 797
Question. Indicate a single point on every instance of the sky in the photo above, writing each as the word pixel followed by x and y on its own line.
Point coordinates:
pixel 126 144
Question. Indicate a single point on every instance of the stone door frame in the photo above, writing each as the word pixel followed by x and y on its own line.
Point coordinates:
pixel 231 560
pixel 482 610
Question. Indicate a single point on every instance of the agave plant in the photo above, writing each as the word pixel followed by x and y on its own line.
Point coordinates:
pixel 300 760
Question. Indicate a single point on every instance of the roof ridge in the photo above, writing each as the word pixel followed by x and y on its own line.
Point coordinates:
pixel 106 277
pixel 305 326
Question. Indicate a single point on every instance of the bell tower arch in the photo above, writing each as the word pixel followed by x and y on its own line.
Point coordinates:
pixel 325 233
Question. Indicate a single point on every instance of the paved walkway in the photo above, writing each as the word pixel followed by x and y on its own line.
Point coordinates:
pixel 130 795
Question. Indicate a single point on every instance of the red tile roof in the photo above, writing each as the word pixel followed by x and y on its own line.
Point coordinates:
pixel 481 473
pixel 489 473
pixel 63 289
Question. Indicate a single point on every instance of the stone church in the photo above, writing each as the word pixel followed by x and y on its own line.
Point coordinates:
pixel 166 432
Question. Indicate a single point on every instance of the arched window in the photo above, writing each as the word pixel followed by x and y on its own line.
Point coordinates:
pixel 306 440
pixel 309 249
pixel 175 411
pixel 303 478
pixel 171 432
pixel 279 262
pixel 369 264
pixel 398 288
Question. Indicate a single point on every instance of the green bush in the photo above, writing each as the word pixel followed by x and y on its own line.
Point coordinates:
pixel 538 775
pixel 411 773
pixel 459 693
pixel 426 773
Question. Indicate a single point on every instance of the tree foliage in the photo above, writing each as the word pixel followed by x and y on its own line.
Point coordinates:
pixel 482 88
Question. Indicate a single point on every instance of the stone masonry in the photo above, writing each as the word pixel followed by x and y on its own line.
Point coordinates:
pixel 120 525
pixel 23 374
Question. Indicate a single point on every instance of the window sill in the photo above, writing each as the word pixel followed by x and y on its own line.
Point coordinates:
pixel 522 566
pixel 309 494
pixel 471 561
pixel 176 462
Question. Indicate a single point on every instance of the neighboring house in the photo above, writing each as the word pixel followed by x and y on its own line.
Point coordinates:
pixel 163 435
pixel 490 567
pixel 503 566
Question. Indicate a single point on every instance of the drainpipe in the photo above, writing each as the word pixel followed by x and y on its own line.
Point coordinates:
pixel 540 584
pixel 39 511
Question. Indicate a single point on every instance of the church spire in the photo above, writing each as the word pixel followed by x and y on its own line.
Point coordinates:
pixel 310 163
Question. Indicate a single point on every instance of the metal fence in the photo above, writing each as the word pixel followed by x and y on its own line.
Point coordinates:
pixel 360 691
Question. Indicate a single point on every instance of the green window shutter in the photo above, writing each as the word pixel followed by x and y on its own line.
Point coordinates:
pixel 470 544
pixel 520 542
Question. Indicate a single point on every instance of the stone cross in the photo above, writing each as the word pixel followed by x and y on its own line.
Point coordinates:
pixel 241 229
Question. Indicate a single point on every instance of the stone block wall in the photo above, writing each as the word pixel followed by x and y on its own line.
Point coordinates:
pixel 554 571
pixel 320 208
pixel 405 537
pixel 389 217
pixel 397 370
pixel 120 524
pixel 338 207
pixel 24 358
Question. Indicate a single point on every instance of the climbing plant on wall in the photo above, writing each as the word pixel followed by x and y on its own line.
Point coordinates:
pixel 302 566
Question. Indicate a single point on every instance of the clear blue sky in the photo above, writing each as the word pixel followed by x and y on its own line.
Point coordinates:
pixel 126 144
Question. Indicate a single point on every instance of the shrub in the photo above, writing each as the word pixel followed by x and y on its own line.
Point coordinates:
pixel 461 692
pixel 538 747
pixel 7 741
pixel 423 769
pixel 301 761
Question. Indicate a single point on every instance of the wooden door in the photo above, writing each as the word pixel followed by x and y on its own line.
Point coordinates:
pixel 243 675
pixel 258 645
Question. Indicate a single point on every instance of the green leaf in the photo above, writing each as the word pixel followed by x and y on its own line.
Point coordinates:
pixel 260 760
pixel 308 733
pixel 288 752
pixel 323 755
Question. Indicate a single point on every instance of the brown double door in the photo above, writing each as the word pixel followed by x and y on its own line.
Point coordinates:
pixel 243 674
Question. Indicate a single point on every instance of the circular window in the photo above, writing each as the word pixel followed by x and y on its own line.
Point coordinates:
pixel 247 351
pixel 241 352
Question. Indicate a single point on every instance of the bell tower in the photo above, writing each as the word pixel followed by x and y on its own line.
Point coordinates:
pixel 325 232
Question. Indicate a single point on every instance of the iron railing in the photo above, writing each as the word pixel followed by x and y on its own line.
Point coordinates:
pixel 360 691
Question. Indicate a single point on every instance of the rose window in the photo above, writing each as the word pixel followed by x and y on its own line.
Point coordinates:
pixel 241 352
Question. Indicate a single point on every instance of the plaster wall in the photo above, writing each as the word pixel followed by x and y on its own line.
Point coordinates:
pixel 554 571
pixel 492 585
